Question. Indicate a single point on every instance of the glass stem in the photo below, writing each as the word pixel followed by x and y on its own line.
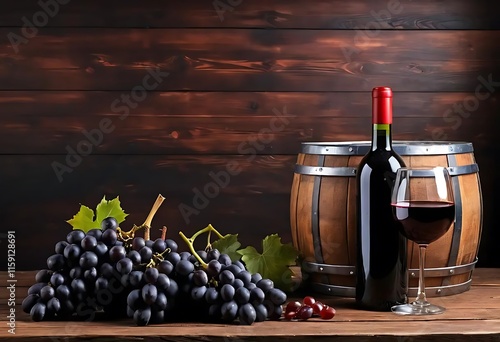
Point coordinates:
pixel 421 298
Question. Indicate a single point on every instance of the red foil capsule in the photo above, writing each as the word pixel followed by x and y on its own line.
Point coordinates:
pixel 382 105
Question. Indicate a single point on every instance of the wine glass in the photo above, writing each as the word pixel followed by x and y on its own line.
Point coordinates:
pixel 423 204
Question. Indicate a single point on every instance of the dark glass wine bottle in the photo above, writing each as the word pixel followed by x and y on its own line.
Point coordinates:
pixel 381 270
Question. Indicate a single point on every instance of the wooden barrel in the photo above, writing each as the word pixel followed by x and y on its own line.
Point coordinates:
pixel 323 216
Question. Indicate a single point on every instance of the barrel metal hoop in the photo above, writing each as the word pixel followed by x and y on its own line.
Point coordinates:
pixel 312 267
pixel 351 171
pixel 407 148
pixel 318 254
pixel 431 291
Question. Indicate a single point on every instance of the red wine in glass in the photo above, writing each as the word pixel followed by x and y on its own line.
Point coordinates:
pixel 424 221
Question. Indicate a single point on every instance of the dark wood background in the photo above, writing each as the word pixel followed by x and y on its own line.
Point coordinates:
pixel 229 74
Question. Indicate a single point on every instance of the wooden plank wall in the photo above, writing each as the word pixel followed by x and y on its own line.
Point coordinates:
pixel 216 79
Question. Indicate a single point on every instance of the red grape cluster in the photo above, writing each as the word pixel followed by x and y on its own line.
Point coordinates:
pixel 309 307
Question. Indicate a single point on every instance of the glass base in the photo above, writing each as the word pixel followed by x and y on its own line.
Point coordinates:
pixel 418 309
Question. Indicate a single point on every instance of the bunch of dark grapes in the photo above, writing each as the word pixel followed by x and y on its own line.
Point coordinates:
pixel 71 284
pixel 309 307
pixel 152 292
pixel 225 291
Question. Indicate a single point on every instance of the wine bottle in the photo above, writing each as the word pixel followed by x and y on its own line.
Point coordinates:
pixel 381 270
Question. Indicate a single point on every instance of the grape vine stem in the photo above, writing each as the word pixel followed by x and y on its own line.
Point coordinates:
pixel 190 241
pixel 149 218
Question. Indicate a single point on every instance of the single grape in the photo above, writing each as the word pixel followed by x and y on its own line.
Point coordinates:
pixel 149 294
pixel 289 315
pixel 198 292
pixel 78 286
pixel 76 272
pixel 29 302
pixel 184 255
pixel 234 269
pixel 159 245
pixel 173 257
pixel 276 296
pixel 261 312
pixel 238 283
pixel 225 260
pixel 265 284
pixel 256 277
pixel 124 266
pixel 202 255
pixel 72 252
pixel 37 312
pixel 293 306
pixel 251 286
pixel 75 236
pixel 47 293
pixel 101 249
pixel 142 317
pixel 327 312
pixel 305 312
pixel 172 245
pixel 308 300
pixel 35 288
pixel 229 310
pixel 165 267
pixel 57 279
pixel 227 292
pixel 43 276
pixel 213 268
pixel 245 277
pixel 56 262
pixel 317 307
pixel 134 299
pixel 173 289
pixel 90 275
pixel 88 243
pixel 163 282
pixel 53 305
pixel 151 275
pixel 63 292
pixel 106 270
pixel 184 267
pixel 247 314
pixel 149 243
pixel 257 296
pixel 200 278
pixel 101 283
pixel 96 233
pixel 226 277
pixel 137 243
pixel 109 223
pixel 146 254
pixel 211 295
pixel 59 248
pixel 240 265
pixel 88 260
pixel 109 237
pixel 135 257
pixel 242 295
pixel 136 279
pixel 117 253
pixel 213 254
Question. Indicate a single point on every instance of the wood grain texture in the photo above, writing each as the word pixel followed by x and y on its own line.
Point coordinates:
pixel 248 60
pixel 318 14
pixel 199 123
pixel 470 316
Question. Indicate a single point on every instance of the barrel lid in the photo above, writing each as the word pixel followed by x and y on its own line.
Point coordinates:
pixel 404 148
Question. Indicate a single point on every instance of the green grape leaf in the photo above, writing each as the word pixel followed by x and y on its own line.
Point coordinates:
pixel 110 209
pixel 229 245
pixel 85 221
pixel 273 262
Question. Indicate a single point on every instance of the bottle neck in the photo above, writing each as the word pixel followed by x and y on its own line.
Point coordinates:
pixel 381 137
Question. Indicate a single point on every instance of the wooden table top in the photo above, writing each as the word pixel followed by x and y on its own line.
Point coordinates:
pixel 473 315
